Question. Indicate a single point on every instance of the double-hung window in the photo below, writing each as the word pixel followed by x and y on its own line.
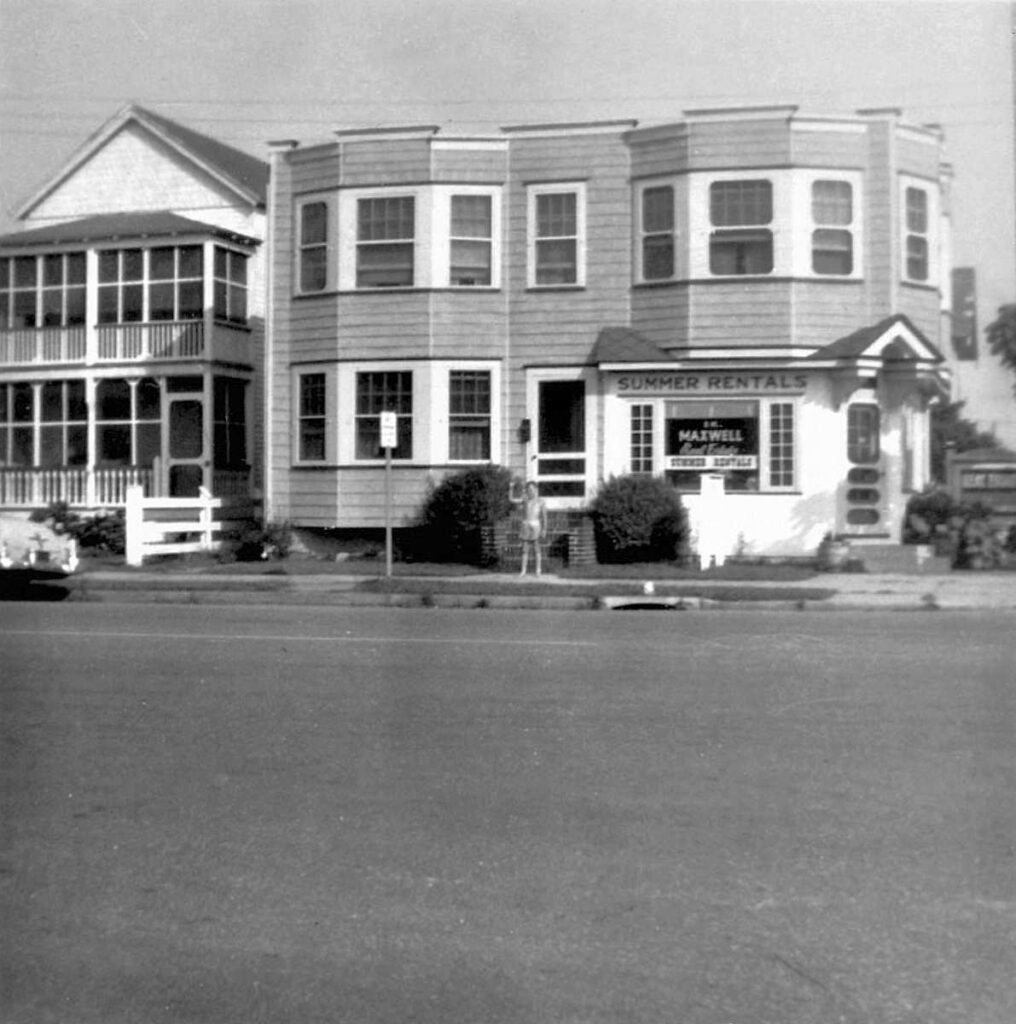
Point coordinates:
pixel 657 233
pixel 556 235
pixel 379 391
pixel 312 397
pixel 917 231
pixel 312 246
pixel 385 242
pixel 469 408
pixel 741 237
pixel 230 286
pixel 832 240
pixel 471 240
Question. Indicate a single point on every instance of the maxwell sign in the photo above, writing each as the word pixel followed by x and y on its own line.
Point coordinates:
pixel 711 383
pixel 712 444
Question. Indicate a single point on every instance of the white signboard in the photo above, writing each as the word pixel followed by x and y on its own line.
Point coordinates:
pixel 389 430
pixel 712 462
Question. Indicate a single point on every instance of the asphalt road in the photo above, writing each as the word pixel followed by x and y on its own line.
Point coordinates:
pixel 373 816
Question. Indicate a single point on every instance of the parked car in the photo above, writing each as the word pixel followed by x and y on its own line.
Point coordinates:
pixel 34 551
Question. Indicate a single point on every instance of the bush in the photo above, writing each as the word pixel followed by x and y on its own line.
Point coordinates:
pixel 639 519
pixel 459 510
pixel 260 542
pixel 964 532
pixel 99 531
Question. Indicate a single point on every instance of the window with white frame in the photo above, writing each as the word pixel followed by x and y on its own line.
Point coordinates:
pixel 121 286
pixel 641 460
pixel 43 291
pixel 385 242
pixel 832 240
pixel 751 441
pixel 556 235
pixel 741 237
pixel 230 301
pixel 379 391
pixel 781 458
pixel 469 415
pixel 312 246
pixel 916 237
pixel 471 240
pixel 311 417
pixel 17 424
pixel 657 231
pixel 128 427
pixel 175 282
pixel 63 431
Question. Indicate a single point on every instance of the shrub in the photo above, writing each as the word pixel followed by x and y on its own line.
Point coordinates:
pixel 965 532
pixel 639 519
pixel 260 542
pixel 99 531
pixel 459 509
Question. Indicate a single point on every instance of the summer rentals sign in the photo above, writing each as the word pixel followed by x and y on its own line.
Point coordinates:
pixel 709 444
pixel 711 383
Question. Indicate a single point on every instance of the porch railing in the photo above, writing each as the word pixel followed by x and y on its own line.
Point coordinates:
pixel 36 487
pixel 43 345
pixel 172 339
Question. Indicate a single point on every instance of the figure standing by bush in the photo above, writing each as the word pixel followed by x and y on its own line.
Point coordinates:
pixel 534 521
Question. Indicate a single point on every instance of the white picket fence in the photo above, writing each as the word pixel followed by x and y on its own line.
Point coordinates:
pixel 175 526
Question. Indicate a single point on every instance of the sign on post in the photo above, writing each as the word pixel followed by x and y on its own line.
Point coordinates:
pixel 389 440
pixel 389 430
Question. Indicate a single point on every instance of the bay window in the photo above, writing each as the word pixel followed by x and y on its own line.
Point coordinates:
pixel 832 241
pixel 46 291
pixel 657 231
pixel 741 239
pixel 469 415
pixel 312 247
pixel 916 237
pixel 471 240
pixel 384 391
pixel 385 242
pixel 230 276
pixel 311 417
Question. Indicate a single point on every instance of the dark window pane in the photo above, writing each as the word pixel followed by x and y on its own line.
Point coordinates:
pixel 556 214
pixel 114 444
pixel 557 262
pixel 562 416
pixel 25 313
pixel 191 301
pixel 191 261
pixel 22 452
pixel 185 429
pixel 658 257
pixel 109 265
pixel 25 270
pixel 51 446
pixel 741 252
pixel 109 312
pixel 148 400
pixel 832 251
pixel 132 303
pixel 76 268
pixel 76 407
pixel 149 437
pixel 52 402
pixel 22 403
pixel 162 264
pixel 52 269
pixel 132 265
pixel 77 445
pixel 313 224
pixel 113 400
pixel 75 306
pixel 52 307
pixel 160 302
pixel 737 203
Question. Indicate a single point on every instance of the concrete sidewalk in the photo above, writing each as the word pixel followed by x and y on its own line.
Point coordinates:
pixel 827 591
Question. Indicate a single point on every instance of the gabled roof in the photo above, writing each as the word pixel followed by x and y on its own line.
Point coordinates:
pixel 623 345
pixel 113 226
pixel 240 172
pixel 894 339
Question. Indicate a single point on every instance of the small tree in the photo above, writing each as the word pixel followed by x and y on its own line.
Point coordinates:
pixel 458 510
pixel 1002 337
pixel 948 427
pixel 639 519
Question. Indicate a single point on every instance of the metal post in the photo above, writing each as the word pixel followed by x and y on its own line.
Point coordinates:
pixel 388 511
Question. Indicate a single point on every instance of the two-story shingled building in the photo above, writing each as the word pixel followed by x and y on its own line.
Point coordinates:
pixel 132 319
pixel 753 293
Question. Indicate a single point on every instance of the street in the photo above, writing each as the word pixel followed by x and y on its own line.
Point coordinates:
pixel 376 816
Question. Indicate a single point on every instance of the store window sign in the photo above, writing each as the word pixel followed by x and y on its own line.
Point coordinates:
pixel 712 444
pixel 711 383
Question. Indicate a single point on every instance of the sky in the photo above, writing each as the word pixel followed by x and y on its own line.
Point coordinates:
pixel 250 71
